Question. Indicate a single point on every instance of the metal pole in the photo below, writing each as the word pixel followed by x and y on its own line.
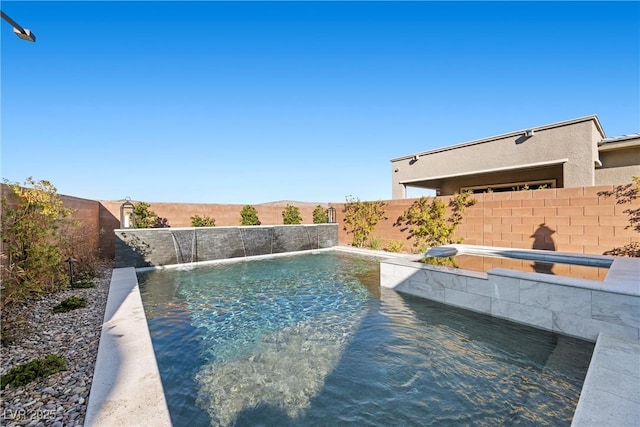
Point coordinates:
pixel 71 261
pixel 20 32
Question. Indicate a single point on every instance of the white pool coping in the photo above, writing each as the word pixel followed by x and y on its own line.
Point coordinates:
pixel 611 390
pixel 127 389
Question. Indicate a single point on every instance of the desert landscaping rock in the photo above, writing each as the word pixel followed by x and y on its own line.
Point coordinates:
pixel 61 399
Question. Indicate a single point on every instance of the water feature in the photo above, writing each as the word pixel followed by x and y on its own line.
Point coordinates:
pixel 313 340
pixel 158 247
pixel 184 242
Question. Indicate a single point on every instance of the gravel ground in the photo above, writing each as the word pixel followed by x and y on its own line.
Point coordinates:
pixel 61 399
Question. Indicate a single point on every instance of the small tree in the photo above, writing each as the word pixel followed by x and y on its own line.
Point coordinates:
pixel 320 215
pixel 249 216
pixel 291 215
pixel 205 221
pixel 627 194
pixel 146 218
pixel 33 264
pixel 428 223
pixel 360 218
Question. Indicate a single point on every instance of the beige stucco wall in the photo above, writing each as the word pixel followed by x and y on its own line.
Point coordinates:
pixel 572 144
pixel 620 162
pixel 616 175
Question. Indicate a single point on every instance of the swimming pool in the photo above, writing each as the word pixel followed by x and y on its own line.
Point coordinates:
pixel 313 340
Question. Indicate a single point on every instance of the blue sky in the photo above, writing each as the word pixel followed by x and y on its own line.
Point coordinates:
pixel 243 102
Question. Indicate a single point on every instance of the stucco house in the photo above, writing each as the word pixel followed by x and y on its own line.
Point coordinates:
pixel 572 153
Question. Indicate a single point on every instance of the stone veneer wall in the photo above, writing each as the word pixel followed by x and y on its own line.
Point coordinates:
pixel 164 246
pixel 579 308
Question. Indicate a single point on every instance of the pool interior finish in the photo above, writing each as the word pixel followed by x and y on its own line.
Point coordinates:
pixel 313 340
pixel 486 263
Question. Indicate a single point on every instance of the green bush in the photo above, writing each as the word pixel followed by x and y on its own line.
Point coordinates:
pixel 143 217
pixel 249 215
pixel 360 218
pixel 320 215
pixel 205 221
pixel 394 246
pixel 428 222
pixel 291 215
pixel 69 304
pixel 375 243
pixel 32 370
pixel 32 214
pixel 83 284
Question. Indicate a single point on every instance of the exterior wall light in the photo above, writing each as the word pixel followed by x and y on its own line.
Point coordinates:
pixel 331 215
pixel 529 133
pixel 23 33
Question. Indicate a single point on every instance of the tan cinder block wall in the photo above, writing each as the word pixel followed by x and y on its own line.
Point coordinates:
pixel 179 214
pixel 87 233
pixel 575 220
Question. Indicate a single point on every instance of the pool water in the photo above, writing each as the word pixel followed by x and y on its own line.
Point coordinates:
pixel 487 263
pixel 313 340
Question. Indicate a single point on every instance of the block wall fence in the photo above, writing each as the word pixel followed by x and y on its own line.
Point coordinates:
pixel 578 220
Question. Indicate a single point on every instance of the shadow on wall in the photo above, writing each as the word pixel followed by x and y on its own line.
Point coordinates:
pixel 108 223
pixel 542 240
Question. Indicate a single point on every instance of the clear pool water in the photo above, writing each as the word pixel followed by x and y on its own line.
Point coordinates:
pixel 486 263
pixel 312 340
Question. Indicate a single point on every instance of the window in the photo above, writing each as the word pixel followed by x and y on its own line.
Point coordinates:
pixel 513 186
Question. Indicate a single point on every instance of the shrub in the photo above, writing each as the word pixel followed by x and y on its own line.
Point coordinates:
pixel 69 304
pixel 143 217
pixel 394 246
pixel 428 223
pixel 291 215
pixel 31 217
pixel 37 368
pixel 375 243
pixel 627 194
pixel 249 215
pixel 83 284
pixel 360 218
pixel 205 221
pixel 320 215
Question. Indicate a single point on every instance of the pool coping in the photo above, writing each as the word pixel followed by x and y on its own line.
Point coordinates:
pixel 127 389
pixel 611 390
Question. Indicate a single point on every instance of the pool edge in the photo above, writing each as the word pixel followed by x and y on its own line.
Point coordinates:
pixel 126 389
pixel 611 390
